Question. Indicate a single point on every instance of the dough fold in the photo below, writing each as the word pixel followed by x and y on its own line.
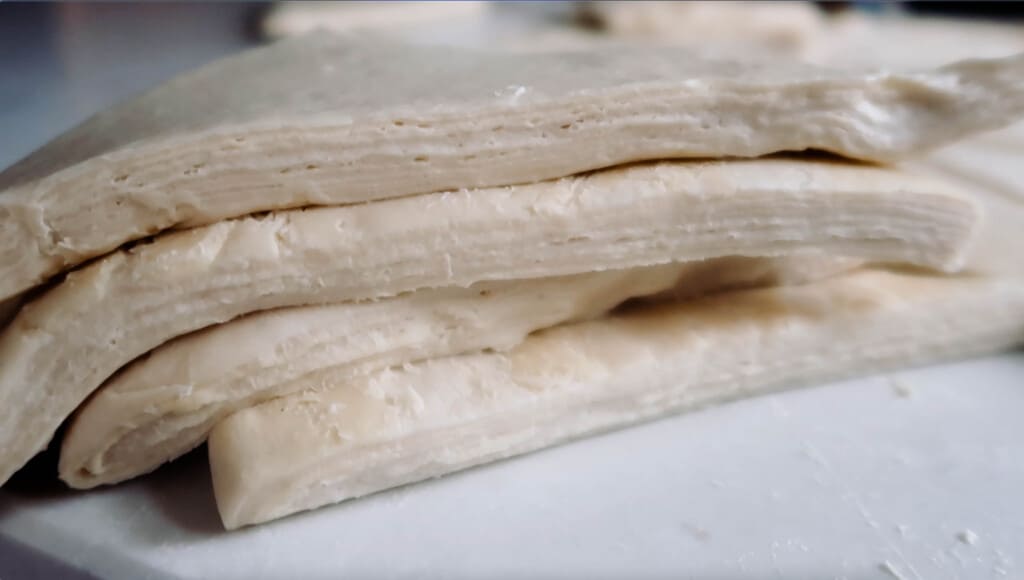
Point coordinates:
pixel 347 277
pixel 432 418
pixel 326 120
pixel 165 404
pixel 64 344
pixel 407 424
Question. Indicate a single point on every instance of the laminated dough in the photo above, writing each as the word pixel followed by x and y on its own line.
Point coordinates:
pixel 992 164
pixel 432 418
pixel 610 372
pixel 403 17
pixel 165 404
pixel 783 29
pixel 328 120
pixel 799 30
pixel 913 41
pixel 63 345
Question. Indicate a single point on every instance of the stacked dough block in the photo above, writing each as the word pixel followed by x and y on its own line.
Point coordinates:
pixel 354 265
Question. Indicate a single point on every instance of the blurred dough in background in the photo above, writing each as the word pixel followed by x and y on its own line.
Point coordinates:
pixel 899 40
pixel 843 37
pixel 293 18
pixel 512 26
pixel 792 30
pixel 802 31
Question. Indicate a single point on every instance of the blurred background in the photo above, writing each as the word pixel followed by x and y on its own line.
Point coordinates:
pixel 60 63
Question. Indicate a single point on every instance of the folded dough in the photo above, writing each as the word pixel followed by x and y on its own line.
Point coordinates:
pixel 989 165
pixel 435 417
pixel 399 17
pixel 779 29
pixel 322 120
pixel 63 345
pixel 165 404
pixel 610 372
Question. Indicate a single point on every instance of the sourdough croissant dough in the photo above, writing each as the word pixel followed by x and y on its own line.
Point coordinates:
pixel 782 29
pixel 427 251
pixel 402 17
pixel 165 404
pixel 435 417
pixel 432 418
pixel 63 345
pixel 324 120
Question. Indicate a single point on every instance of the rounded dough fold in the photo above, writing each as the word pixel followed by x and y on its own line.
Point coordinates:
pixel 403 425
pixel 165 404
pixel 63 345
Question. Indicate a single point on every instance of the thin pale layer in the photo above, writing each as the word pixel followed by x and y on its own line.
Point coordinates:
pixel 324 121
pixel 165 404
pixel 439 416
pixel 63 345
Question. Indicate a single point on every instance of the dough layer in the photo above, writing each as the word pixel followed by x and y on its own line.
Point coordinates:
pixel 323 120
pixel 64 344
pixel 432 418
pixel 165 404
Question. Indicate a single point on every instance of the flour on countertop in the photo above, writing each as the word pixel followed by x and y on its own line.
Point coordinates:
pixel 900 388
pixel 967 537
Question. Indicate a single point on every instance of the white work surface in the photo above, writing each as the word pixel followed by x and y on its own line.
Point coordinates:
pixel 914 475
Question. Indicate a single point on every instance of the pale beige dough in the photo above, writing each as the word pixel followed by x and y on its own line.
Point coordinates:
pixel 664 360
pixel 799 30
pixel 855 39
pixel 64 344
pixel 165 404
pixel 783 29
pixel 399 17
pixel 325 120
pixel 993 165
pixel 429 419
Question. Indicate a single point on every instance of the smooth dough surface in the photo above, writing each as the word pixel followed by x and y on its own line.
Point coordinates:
pixel 327 120
pixel 63 345
pixel 404 425
pixel 165 404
